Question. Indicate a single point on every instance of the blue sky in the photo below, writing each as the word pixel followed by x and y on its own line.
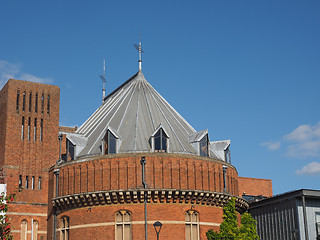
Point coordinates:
pixel 248 71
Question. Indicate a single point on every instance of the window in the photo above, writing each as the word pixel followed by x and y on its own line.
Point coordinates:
pixel 318 224
pixel 64 228
pixel 42 102
pixel 48 104
pixel 123 225
pixel 110 143
pixel 35 130
pixel 23 101
pixel 27 182
pixel 32 182
pixel 22 128
pixel 41 130
pixel 35 227
pixel 160 141
pixel 192 225
pixel 36 103
pixel 70 152
pixel 17 104
pixel 20 181
pixel 204 146
pixel 24 225
pixel 39 183
pixel 29 129
pixel 30 102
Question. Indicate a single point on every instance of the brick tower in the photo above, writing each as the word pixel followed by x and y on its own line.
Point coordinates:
pixel 29 116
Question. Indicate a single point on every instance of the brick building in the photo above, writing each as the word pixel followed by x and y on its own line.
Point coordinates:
pixel 135 161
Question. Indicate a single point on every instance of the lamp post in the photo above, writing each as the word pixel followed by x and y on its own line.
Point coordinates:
pixel 157 227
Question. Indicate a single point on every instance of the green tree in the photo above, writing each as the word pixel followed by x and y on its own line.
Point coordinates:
pixel 229 229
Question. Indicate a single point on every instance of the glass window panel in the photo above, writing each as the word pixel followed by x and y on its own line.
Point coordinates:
pixel 24 230
pixel 204 146
pixel 127 232
pixel 118 217
pixel 194 232
pixel 188 232
pixel 126 217
pixel 112 146
pixel 119 232
pixel 188 219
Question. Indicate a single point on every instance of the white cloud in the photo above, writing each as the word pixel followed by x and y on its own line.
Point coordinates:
pixel 10 70
pixel 271 145
pixel 310 169
pixel 304 141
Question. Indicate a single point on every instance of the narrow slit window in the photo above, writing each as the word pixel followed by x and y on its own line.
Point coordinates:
pixel 42 102
pixel 27 182
pixel 32 182
pixel 48 104
pixel 29 122
pixel 110 143
pixel 39 183
pixel 192 225
pixel 123 225
pixel 64 228
pixel 35 130
pixel 30 102
pixel 24 101
pixel 22 129
pixel 20 181
pixel 41 130
pixel 70 150
pixel 36 103
pixel 18 98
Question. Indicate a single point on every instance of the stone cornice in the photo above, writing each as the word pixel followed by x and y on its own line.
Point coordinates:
pixel 151 195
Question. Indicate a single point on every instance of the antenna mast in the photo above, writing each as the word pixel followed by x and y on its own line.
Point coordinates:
pixel 139 48
pixel 103 78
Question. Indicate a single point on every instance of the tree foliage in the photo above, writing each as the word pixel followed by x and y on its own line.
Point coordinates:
pixel 5 227
pixel 229 229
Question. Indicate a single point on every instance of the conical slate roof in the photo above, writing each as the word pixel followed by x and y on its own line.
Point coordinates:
pixel 133 113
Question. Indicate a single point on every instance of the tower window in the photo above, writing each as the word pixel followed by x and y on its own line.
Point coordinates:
pixel 32 182
pixel 204 146
pixel 41 130
pixel 35 229
pixel 17 104
pixel 27 182
pixel 110 143
pixel 24 231
pixel 20 181
pixel 160 141
pixel 22 128
pixel 192 225
pixel 23 101
pixel 48 104
pixel 29 121
pixel 42 102
pixel 70 150
pixel 123 225
pixel 30 102
pixel 35 130
pixel 39 183
pixel 36 103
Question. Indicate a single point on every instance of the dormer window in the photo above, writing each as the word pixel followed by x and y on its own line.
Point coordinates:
pixel 204 146
pixel 110 143
pixel 160 141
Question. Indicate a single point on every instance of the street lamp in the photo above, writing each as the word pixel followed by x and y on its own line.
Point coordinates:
pixel 157 227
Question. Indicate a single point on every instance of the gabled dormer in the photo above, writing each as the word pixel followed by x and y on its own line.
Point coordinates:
pixel 159 140
pixel 110 142
pixel 200 141
pixel 221 149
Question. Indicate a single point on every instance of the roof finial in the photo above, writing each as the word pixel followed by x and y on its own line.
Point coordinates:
pixel 103 78
pixel 139 48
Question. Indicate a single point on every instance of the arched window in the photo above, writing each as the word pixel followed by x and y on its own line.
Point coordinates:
pixel 35 227
pixel 64 228
pixel 123 225
pixel 160 141
pixel 192 225
pixel 110 143
pixel 204 146
pixel 24 228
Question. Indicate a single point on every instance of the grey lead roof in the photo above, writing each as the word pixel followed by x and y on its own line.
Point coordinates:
pixel 132 113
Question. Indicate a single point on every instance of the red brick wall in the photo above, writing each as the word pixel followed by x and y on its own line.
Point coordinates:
pixel 255 186
pixel 123 171
pixel 28 157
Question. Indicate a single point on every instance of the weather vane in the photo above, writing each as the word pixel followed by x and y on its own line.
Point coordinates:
pixel 139 48
pixel 103 78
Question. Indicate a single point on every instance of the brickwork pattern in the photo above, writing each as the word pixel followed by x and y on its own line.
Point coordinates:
pixel 255 186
